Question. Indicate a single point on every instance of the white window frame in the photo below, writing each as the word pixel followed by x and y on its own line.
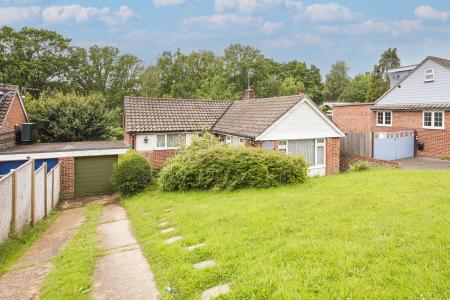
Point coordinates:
pixel 165 141
pixel 229 140
pixel 429 71
pixel 317 144
pixel 433 112
pixel 384 118
pixel 283 146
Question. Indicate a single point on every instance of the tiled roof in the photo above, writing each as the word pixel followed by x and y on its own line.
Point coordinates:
pixel 169 115
pixel 7 93
pixel 250 118
pixel 412 107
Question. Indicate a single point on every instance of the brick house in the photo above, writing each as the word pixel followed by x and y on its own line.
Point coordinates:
pixel 418 101
pixel 12 114
pixel 290 124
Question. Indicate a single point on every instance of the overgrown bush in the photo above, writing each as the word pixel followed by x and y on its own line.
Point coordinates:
pixel 359 166
pixel 132 173
pixel 219 166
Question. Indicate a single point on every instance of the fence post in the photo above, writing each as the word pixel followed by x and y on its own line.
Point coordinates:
pixel 53 188
pixel 45 190
pixel 33 198
pixel 13 206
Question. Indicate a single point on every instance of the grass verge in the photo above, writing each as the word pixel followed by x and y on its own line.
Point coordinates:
pixel 13 248
pixel 71 276
pixel 380 234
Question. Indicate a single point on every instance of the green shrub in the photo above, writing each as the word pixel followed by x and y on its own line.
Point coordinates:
pixel 132 173
pixel 221 167
pixel 446 158
pixel 359 166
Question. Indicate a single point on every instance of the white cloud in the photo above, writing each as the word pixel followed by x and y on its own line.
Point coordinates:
pixel 270 27
pixel 61 14
pixel 329 12
pixel 121 16
pixel 427 12
pixel 394 28
pixel 15 14
pixel 168 2
pixel 291 41
pixel 218 20
pixel 249 6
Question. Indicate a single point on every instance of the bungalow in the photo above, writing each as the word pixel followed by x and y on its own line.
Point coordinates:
pixel 290 124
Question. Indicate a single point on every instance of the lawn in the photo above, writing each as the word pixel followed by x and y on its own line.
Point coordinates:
pixel 374 234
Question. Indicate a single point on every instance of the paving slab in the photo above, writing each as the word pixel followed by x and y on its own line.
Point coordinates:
pixel 123 272
pixel 25 277
pixel 205 264
pixel 193 247
pixel 173 239
pixel 215 291
pixel 417 163
pixel 167 230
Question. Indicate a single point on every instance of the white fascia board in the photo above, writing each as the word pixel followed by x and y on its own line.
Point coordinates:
pixel 61 154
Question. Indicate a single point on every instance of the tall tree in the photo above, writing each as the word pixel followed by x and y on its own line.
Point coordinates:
pixel 379 82
pixel 336 81
pixel 356 91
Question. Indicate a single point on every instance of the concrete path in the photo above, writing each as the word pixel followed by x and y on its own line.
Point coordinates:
pixel 24 279
pixel 123 272
pixel 424 164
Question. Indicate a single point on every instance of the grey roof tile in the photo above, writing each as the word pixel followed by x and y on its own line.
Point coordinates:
pixel 412 107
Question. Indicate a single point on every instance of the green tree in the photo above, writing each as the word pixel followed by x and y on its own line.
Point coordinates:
pixel 289 86
pixel 379 82
pixel 150 82
pixel 336 81
pixel 357 90
pixel 35 59
pixel 70 117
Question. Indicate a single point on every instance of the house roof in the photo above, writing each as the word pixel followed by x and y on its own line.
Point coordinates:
pixel 171 115
pixel 412 107
pixel 249 118
pixel 443 62
pixel 7 94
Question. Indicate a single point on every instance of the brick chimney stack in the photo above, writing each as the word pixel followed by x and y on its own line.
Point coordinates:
pixel 249 94
pixel 302 93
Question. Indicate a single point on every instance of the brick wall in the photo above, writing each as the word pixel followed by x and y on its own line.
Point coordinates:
pixel 436 141
pixel 157 158
pixel 67 177
pixel 353 118
pixel 333 146
pixel 348 159
pixel 12 123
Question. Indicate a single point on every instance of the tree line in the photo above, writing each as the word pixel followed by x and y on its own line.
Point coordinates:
pixel 57 77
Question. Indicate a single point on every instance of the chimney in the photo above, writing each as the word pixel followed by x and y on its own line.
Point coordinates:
pixel 249 94
pixel 302 93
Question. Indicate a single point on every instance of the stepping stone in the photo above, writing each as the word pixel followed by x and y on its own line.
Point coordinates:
pixel 193 247
pixel 215 291
pixel 173 239
pixel 205 264
pixel 163 224
pixel 167 230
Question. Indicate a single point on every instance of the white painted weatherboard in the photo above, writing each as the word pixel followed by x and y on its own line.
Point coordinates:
pixel 303 121
pixel 151 143
pixel 414 89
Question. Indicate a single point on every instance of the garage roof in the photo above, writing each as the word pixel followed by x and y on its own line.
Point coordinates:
pixel 64 147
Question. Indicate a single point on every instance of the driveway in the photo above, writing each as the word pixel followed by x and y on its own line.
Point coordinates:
pixel 424 164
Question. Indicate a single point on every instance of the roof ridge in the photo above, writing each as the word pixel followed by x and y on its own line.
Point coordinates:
pixel 174 99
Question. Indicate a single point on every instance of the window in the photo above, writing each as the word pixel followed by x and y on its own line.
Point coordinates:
pixel 176 140
pixel 228 139
pixel 429 75
pixel 282 146
pixel 384 118
pixel 433 119
pixel 235 140
pixel 313 151
pixel 161 141
pixel 320 152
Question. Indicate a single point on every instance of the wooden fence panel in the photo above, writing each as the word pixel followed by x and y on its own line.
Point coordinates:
pixel 358 143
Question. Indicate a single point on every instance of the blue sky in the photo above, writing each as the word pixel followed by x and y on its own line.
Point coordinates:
pixel 317 32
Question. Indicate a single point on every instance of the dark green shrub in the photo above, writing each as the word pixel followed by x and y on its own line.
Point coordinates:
pixel 359 166
pixel 132 173
pixel 223 167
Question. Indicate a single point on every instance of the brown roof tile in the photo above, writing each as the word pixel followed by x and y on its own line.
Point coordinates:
pixel 7 93
pixel 443 62
pixel 412 107
pixel 249 118
pixel 165 115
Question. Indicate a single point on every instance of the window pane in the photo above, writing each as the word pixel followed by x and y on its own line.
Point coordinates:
pixel 282 150
pixel 387 118
pixel 320 155
pixel 427 119
pixel 320 141
pixel 160 141
pixel 305 148
pixel 380 117
pixel 438 116
pixel 176 140
pixel 282 143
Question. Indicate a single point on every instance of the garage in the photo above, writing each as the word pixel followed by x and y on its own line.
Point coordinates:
pixel 394 145
pixel 92 174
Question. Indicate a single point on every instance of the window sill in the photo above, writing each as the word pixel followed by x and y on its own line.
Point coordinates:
pixel 167 148
pixel 433 128
pixel 382 125
pixel 316 167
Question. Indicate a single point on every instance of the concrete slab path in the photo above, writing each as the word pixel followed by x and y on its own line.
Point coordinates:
pixel 24 279
pixel 123 272
pixel 424 164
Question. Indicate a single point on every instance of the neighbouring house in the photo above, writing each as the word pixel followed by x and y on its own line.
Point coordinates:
pixel 291 124
pixel 412 118
pixel 12 114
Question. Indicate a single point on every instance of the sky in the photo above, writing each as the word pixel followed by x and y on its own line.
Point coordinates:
pixel 316 32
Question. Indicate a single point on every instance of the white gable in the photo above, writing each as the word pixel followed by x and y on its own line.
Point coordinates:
pixel 303 121
pixel 414 89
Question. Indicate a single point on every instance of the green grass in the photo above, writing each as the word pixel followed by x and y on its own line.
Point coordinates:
pixel 16 246
pixel 446 158
pixel 380 234
pixel 71 276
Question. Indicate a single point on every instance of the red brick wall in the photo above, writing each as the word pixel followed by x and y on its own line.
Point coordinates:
pixel 157 158
pixel 353 118
pixel 333 146
pixel 436 141
pixel 348 159
pixel 67 177
pixel 13 122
